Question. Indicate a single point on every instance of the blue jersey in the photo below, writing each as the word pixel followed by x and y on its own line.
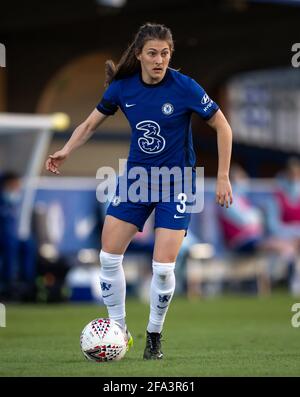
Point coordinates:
pixel 159 116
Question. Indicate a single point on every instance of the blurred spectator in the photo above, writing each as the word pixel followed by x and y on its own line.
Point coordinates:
pixel 244 224
pixel 284 216
pixel 17 261
pixel 180 270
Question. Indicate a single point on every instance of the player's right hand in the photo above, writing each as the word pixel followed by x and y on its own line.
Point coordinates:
pixel 55 160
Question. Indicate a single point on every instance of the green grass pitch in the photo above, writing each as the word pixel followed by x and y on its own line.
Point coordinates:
pixel 226 336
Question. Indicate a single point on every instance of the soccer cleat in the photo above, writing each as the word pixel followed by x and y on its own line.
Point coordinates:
pixel 153 347
pixel 129 339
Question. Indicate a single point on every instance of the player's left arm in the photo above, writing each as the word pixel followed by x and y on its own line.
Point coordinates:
pixel 224 137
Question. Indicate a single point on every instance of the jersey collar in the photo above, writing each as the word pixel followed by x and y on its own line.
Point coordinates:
pixel 162 82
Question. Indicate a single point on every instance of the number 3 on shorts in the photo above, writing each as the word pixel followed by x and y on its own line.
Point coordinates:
pixel 182 197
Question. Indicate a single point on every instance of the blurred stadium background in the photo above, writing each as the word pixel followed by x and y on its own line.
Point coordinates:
pixel 241 52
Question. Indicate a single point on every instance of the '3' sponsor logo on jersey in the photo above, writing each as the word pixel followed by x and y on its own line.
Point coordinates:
pixel 151 141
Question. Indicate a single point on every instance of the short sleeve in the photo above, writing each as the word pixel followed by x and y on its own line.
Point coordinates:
pixel 111 99
pixel 200 102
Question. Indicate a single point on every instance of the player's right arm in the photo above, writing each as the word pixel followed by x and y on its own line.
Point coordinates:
pixel 80 135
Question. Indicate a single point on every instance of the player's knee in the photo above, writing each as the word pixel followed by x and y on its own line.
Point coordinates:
pixel 165 258
pixel 163 269
pixel 110 246
pixel 109 260
pixel 164 274
pixel 106 244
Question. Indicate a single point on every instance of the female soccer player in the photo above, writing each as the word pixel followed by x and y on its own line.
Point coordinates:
pixel 158 103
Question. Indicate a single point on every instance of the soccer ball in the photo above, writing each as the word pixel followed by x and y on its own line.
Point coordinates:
pixel 103 340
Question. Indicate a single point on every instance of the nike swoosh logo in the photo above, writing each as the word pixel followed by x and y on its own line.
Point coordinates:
pixel 129 106
pixel 162 307
pixel 106 296
pixel 178 216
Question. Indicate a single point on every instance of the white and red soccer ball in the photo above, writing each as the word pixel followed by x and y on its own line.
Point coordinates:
pixel 103 340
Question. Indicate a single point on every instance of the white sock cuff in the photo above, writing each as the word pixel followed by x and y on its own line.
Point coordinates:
pixel 110 260
pixel 111 256
pixel 161 268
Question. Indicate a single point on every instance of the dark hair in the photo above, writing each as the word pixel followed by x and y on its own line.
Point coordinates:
pixel 129 64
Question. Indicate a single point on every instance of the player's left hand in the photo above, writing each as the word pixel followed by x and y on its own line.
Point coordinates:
pixel 223 191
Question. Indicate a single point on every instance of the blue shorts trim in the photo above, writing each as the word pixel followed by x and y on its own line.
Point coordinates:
pixel 123 218
pixel 135 213
pixel 166 214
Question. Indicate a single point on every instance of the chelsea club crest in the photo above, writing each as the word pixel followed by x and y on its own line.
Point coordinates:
pixel 167 109
pixel 116 201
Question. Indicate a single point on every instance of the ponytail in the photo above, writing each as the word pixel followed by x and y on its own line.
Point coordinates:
pixel 110 71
